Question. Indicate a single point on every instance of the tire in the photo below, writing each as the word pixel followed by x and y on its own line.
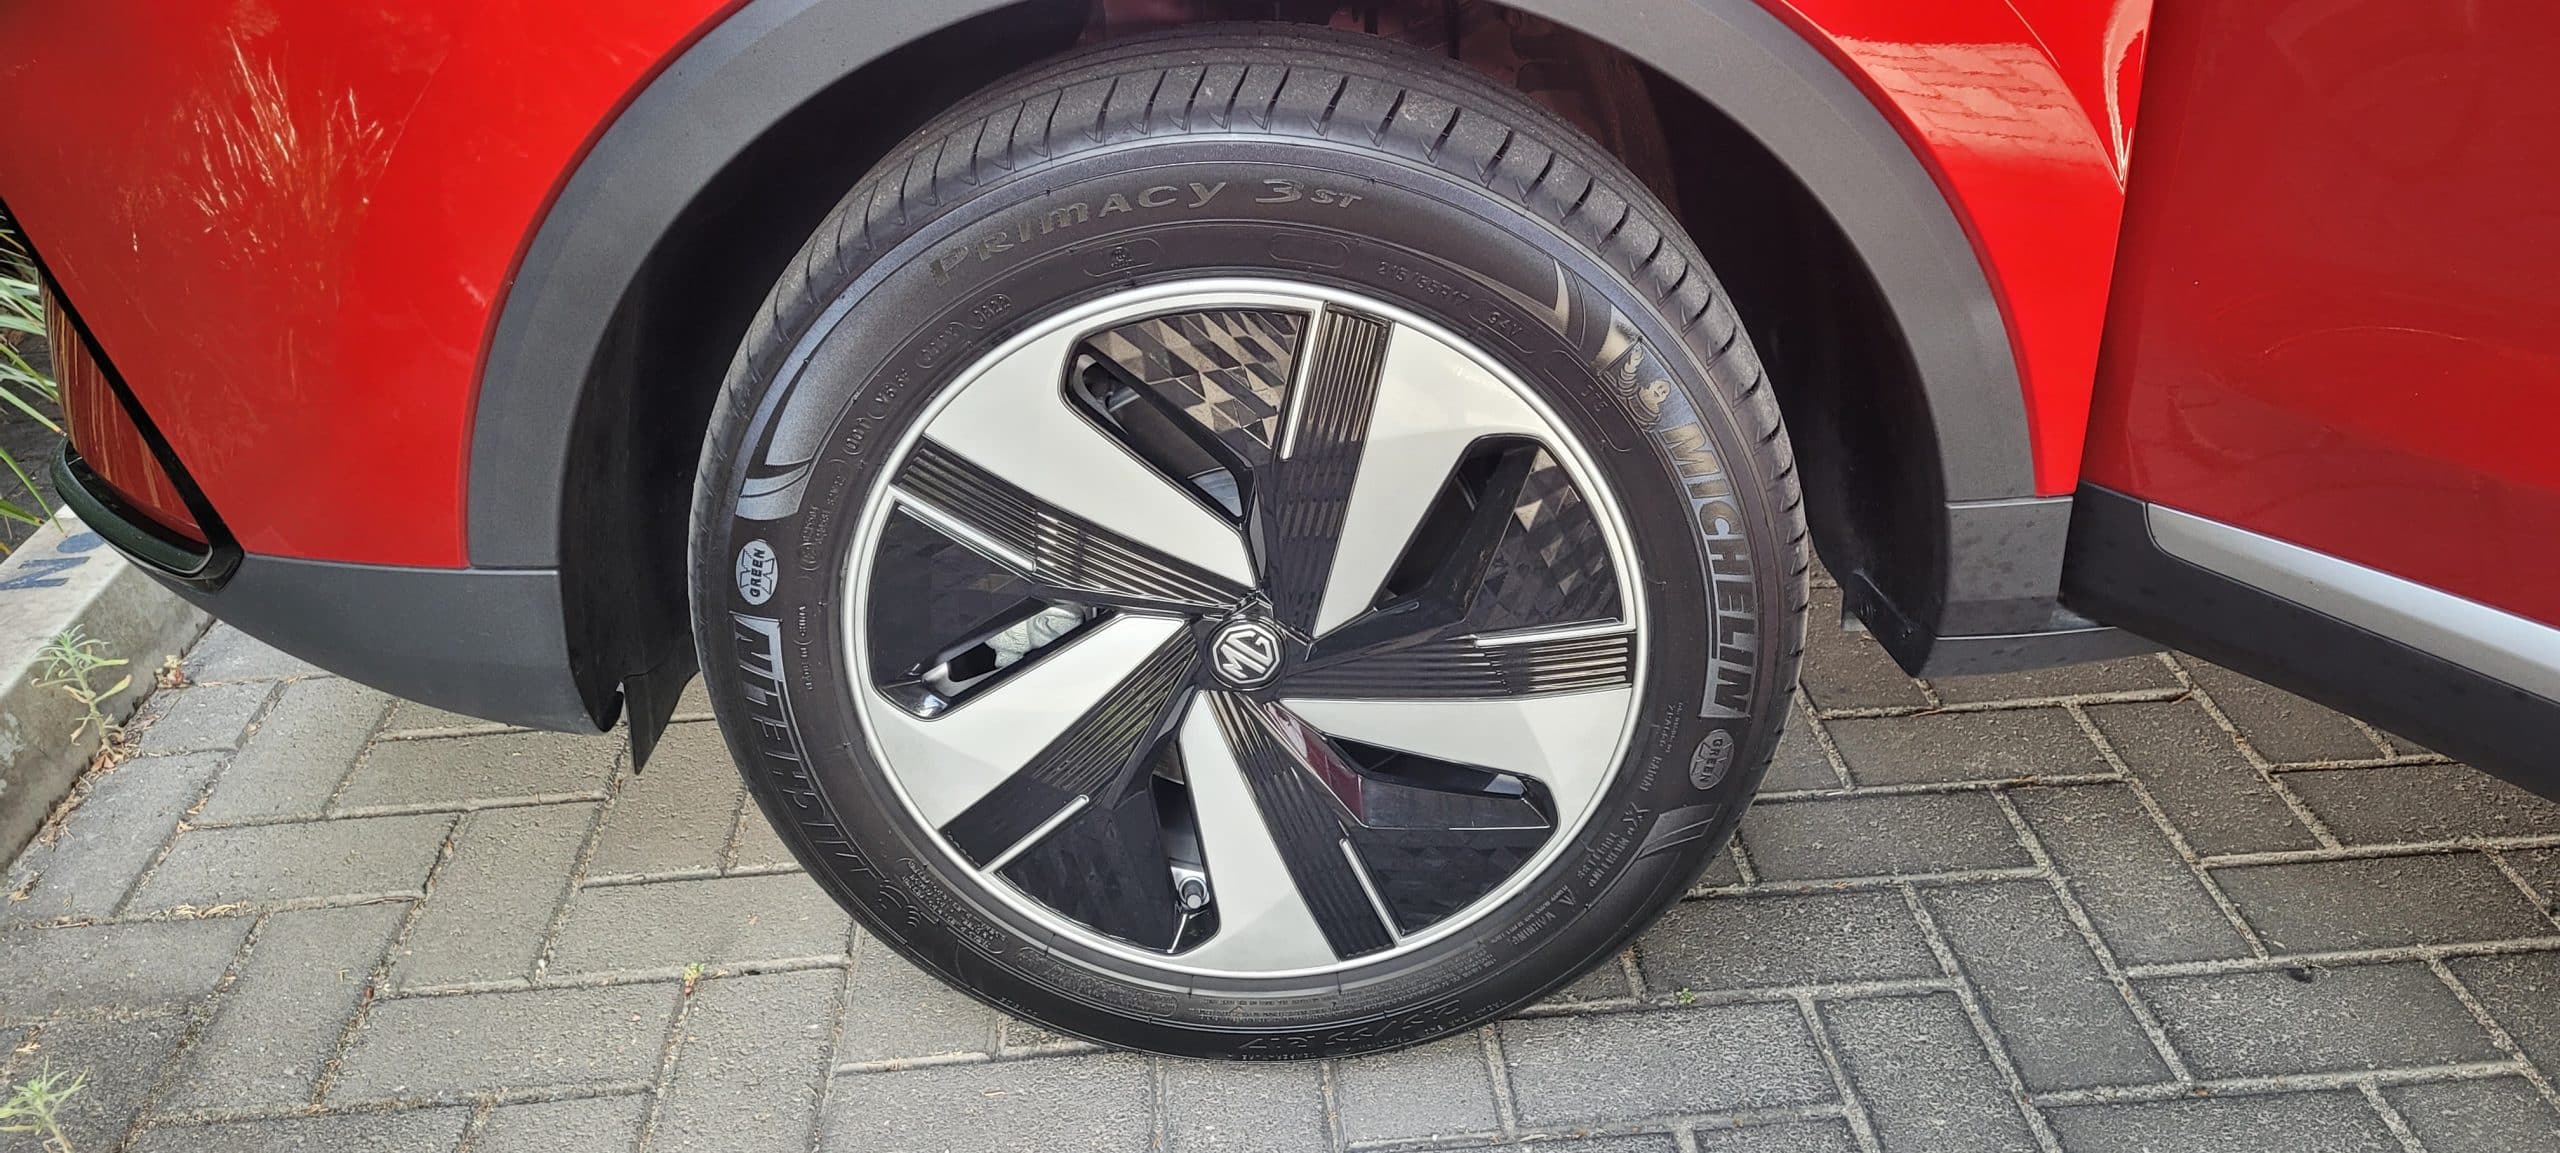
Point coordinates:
pixel 1005 695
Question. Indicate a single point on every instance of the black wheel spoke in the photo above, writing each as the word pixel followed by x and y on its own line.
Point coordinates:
pixel 1472 667
pixel 1297 517
pixel 1284 767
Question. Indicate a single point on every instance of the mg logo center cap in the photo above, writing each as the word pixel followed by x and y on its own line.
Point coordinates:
pixel 1245 653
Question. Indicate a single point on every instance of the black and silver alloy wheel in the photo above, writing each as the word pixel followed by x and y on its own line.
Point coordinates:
pixel 1241 628
pixel 1249 543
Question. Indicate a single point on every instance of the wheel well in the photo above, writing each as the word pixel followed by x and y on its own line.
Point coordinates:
pixel 1853 399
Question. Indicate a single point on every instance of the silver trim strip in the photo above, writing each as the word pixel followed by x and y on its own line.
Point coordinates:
pixel 2493 642
pixel 1377 901
pixel 1031 838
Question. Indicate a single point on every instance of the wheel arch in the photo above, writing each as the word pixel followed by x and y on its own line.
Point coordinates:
pixel 561 475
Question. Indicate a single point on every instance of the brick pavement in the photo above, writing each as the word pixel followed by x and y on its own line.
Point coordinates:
pixel 2146 905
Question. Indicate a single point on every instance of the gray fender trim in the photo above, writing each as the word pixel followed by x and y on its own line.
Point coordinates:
pixel 772 55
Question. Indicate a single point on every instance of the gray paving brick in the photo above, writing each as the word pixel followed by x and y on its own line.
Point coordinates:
pixel 106 842
pixel 410 717
pixel 2517 991
pixel 1799 762
pixel 758 844
pixel 1627 1066
pixel 133 966
pixel 893 1011
pixel 199 718
pixel 2540 869
pixel 1441 1088
pixel 1997 745
pixel 263 863
pixel 122 1061
pixel 1921 1070
pixel 752 1055
pixel 458 770
pixel 1819 939
pixel 1606 981
pixel 1628 1143
pixel 1872 836
pixel 2422 803
pixel 2207 789
pixel 723 920
pixel 2146 904
pixel 410 1131
pixel 2283 728
pixel 1722 871
pixel 2477 1116
pixel 281 1020
pixel 1798 1137
pixel 2123 675
pixel 493 901
pixel 1845 670
pixel 2381 902
pixel 2357 1017
pixel 576 1125
pixel 2065 1025
pixel 676 814
pixel 2323 1122
pixel 487 1041
pixel 1243 1108
pixel 1051 1105
pixel 301 751
pixel 227 654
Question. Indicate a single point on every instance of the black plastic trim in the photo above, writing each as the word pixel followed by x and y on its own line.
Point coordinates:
pixel 2116 573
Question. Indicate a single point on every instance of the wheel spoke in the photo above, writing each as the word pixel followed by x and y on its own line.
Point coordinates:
pixel 1013 422
pixel 1297 516
pixel 1519 664
pixel 1566 741
pixel 1287 895
pixel 976 746
pixel 1432 403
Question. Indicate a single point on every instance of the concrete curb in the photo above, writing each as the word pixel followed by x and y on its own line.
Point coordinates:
pixel 64 576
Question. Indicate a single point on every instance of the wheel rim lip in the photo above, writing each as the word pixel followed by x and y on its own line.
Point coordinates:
pixel 1200 293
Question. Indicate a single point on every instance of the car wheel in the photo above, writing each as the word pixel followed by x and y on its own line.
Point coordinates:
pixel 1250 543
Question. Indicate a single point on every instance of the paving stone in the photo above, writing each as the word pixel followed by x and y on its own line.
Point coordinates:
pixel 1276 1107
pixel 2380 902
pixel 493 901
pixel 1818 939
pixel 303 748
pixel 1799 1137
pixel 2498 1116
pixel 482 1042
pixel 758 844
pixel 2065 1026
pixel 1430 1090
pixel 2123 675
pixel 1846 670
pixel 265 863
pixel 2351 1018
pixel 227 654
pixel 2320 1122
pixel 1630 1143
pixel 1606 981
pixel 720 921
pixel 409 718
pixel 1799 762
pixel 2540 869
pixel 576 1125
pixel 106 842
pixel 122 1061
pixel 752 1055
pixel 2283 728
pixel 139 966
pixel 2146 904
pixel 894 1011
pixel 281 1020
pixel 1722 870
pixel 1998 745
pixel 460 770
pixel 2207 789
pixel 676 814
pixel 1874 836
pixel 1051 1105
pixel 410 1131
pixel 2517 991
pixel 1921 1070
pixel 1627 1066
pixel 199 718
pixel 2422 803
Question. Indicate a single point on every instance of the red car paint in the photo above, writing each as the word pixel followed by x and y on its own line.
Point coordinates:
pixel 2334 318
pixel 291 223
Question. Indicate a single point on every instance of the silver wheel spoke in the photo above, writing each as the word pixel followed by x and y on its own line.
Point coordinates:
pixel 1264 925
pixel 975 747
pixel 1566 741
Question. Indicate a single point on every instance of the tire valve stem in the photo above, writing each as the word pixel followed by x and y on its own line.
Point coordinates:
pixel 1195 894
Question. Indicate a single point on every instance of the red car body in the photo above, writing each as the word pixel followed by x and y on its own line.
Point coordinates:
pixel 365 268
